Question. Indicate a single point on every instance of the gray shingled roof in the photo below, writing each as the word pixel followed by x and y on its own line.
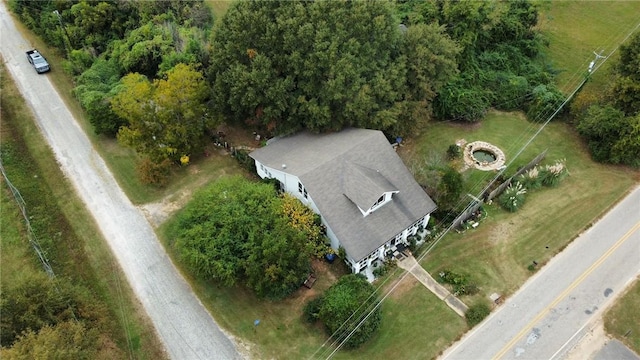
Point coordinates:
pixel 363 185
pixel 354 166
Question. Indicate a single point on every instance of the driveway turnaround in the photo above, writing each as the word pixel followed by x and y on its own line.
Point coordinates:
pixel 552 311
pixel 185 328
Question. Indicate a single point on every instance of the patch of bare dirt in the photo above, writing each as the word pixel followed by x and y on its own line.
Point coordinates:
pixel 158 212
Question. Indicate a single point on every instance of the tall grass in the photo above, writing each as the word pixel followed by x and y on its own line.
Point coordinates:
pixel 74 248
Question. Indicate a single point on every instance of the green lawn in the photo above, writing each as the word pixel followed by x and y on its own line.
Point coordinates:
pixel 577 28
pixel 497 253
pixel 621 321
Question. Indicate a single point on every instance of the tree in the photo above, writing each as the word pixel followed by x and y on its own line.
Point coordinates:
pixel 35 301
pixel 499 58
pixel 449 189
pixel 167 118
pixel 611 136
pixel 626 88
pixel 95 88
pixel 322 65
pixel 344 306
pixel 236 230
pixel 65 340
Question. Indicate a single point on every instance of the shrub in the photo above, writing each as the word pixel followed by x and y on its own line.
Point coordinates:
pixel 454 152
pixel 459 282
pixel 311 309
pixel 243 158
pixel 513 197
pixel 552 175
pixel 531 179
pixel 342 310
pixel 477 313
pixel 152 173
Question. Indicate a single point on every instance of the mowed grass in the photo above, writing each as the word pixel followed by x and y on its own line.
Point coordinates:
pixel 75 249
pixel 497 253
pixel 575 29
pixel 621 321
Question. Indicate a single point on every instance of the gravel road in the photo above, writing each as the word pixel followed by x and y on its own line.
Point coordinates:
pixel 185 328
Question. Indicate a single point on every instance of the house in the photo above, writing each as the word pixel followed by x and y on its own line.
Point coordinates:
pixel 366 197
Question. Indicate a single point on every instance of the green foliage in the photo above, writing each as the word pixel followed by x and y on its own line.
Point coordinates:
pixel 552 175
pixel 612 130
pixel 154 173
pixel 477 313
pixel 530 179
pixel 343 308
pixel 454 152
pixel 167 118
pixel 449 189
pixel 342 253
pixel 303 219
pixel 64 340
pixel 545 100
pixel 311 309
pixel 387 266
pixel 237 231
pixel 326 65
pixel 602 128
pixel 246 161
pixel 513 197
pixel 34 301
pixel 499 63
pixel 626 88
pixel 460 283
pixel 95 87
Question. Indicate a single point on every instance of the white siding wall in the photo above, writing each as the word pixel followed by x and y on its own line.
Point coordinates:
pixel 291 186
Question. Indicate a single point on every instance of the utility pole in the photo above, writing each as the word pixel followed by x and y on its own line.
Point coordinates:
pixel 593 63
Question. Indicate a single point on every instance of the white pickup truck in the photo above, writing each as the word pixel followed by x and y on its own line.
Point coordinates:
pixel 38 61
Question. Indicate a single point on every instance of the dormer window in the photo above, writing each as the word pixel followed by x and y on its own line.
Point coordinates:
pixel 377 203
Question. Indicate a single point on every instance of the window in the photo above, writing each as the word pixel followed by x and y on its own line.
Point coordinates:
pixel 380 201
pixel 302 190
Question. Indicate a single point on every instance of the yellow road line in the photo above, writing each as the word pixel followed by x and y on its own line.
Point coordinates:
pixel 566 292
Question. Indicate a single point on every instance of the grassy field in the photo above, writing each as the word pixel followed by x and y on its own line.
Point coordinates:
pixel 575 29
pixel 621 321
pixel 497 253
pixel 75 248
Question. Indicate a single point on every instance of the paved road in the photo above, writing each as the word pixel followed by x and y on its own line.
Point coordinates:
pixel 550 313
pixel 186 329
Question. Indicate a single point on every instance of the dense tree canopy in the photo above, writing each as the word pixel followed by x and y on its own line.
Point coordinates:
pixel 499 63
pixel 36 301
pixel 626 89
pixel 166 119
pixel 237 231
pixel 324 65
pixel 341 310
pixel 611 136
pixel 611 125
pixel 65 340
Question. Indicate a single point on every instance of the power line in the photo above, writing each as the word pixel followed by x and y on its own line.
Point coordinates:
pixel 378 303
